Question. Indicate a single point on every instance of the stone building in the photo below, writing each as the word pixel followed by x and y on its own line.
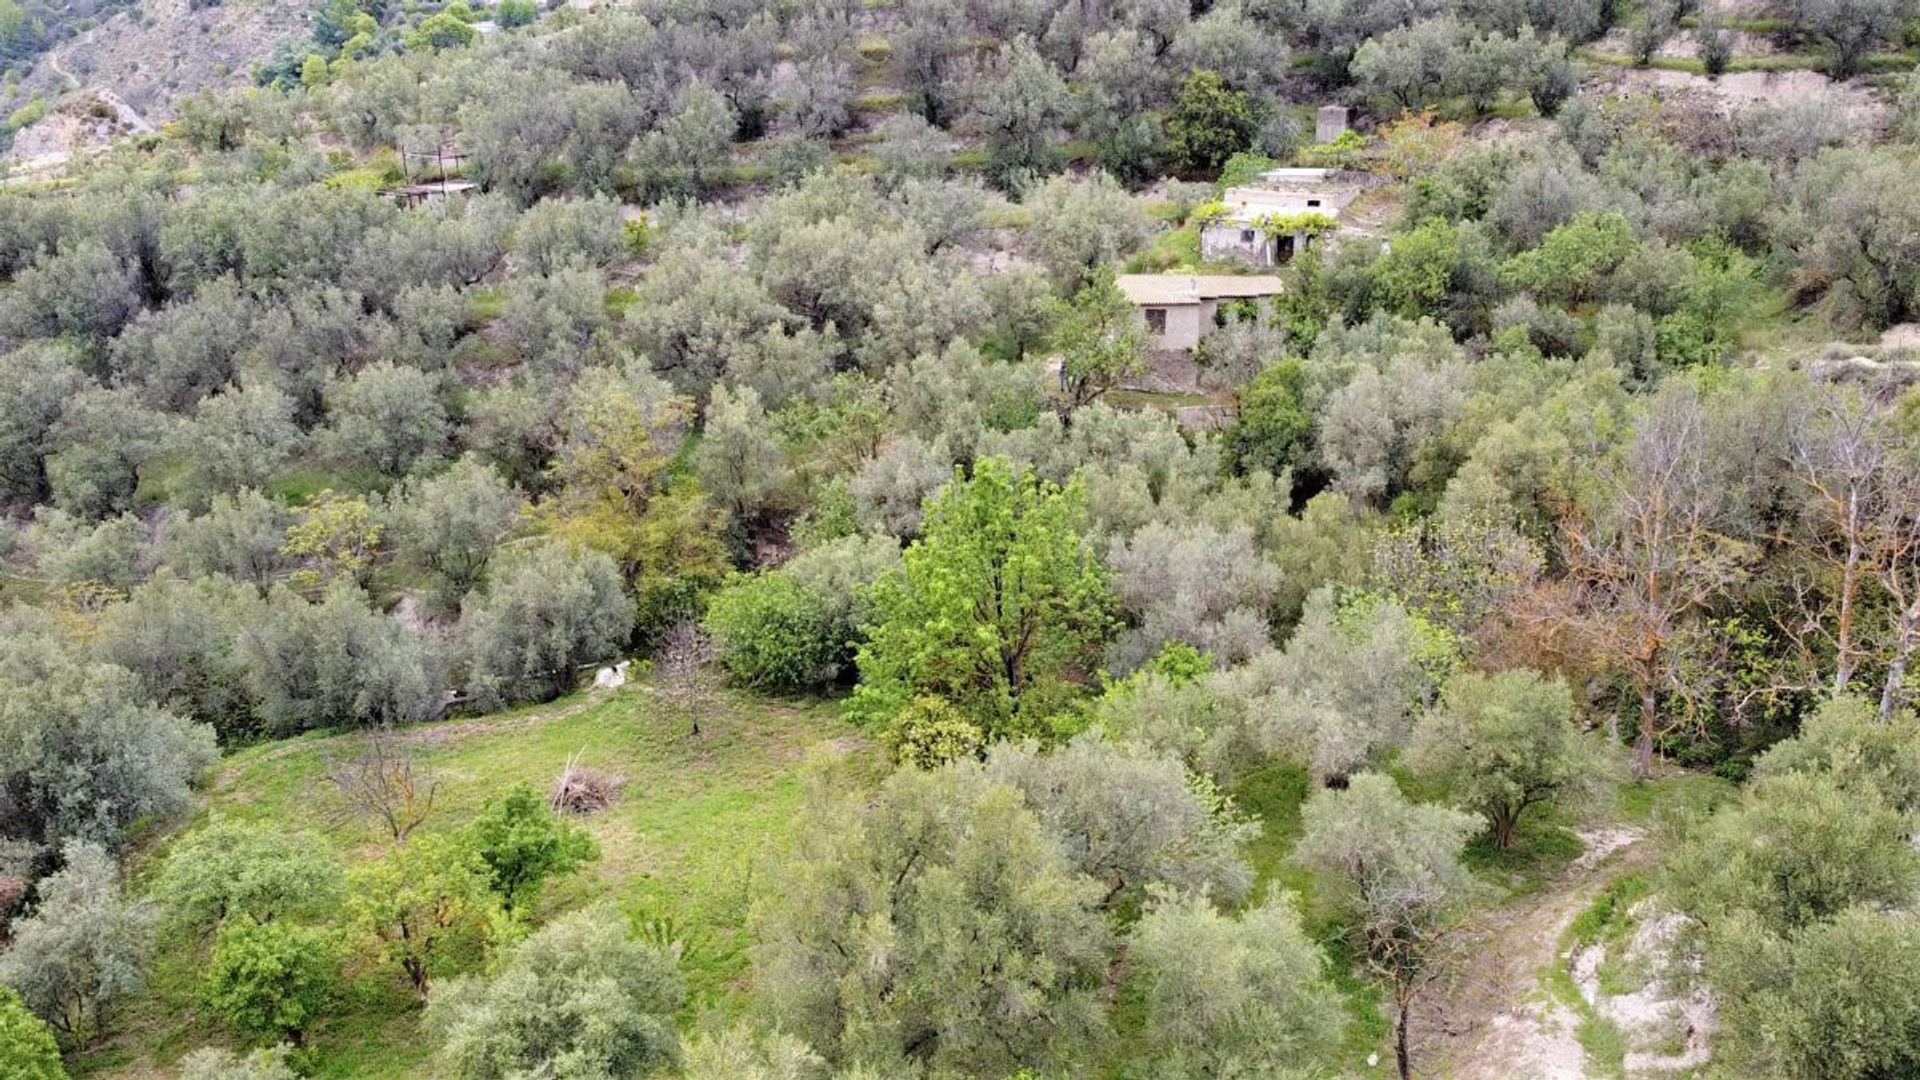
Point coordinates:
pixel 1180 309
pixel 1244 228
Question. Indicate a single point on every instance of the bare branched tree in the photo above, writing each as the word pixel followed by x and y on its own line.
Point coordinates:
pixel 384 782
pixel 685 670
pixel 1860 537
pixel 1655 552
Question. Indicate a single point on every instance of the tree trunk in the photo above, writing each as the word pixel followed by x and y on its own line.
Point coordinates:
pixel 1891 692
pixel 1504 820
pixel 1400 1044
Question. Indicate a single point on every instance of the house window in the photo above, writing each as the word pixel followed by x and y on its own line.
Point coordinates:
pixel 1157 320
pixel 1246 236
pixel 1313 203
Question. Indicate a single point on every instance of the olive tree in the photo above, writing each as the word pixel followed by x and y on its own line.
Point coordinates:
pixel 1836 1001
pixel 1019 102
pixel 180 640
pixel 550 610
pixel 578 998
pixel 84 755
pixel 36 382
pixel 1195 584
pixel 452 523
pixel 739 460
pixel 855 950
pixel 1226 996
pixel 238 438
pixel 1132 819
pixel 240 535
pixel 1501 743
pixel 83 948
pixel 335 662
pixel 1395 867
pixel 103 439
pixel 1079 225
pixel 1348 683
pixel 385 418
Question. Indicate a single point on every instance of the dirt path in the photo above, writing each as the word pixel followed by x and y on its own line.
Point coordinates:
pixel 1491 1021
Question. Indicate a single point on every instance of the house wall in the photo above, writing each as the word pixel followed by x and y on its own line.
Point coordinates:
pixel 1221 242
pixel 1185 324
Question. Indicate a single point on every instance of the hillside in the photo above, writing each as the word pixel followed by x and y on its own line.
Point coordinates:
pixel 686 846
pixel 936 540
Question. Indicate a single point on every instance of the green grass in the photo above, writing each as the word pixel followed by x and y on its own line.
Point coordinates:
pixel 1606 919
pixel 1542 847
pixel 1682 795
pixel 683 850
pixel 1171 249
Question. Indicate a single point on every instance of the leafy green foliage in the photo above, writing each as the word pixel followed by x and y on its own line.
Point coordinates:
pixel 522 843
pixel 999 607
pixel 1209 124
pixel 425 908
pixel 1274 429
pixel 270 978
pixel 28 1049
pixel 231 870
pixel 775 633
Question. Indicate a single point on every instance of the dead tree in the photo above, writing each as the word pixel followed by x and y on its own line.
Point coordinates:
pixel 684 668
pixel 384 782
pixel 1839 453
pixel 1653 553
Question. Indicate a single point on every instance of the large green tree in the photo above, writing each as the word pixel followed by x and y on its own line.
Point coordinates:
pixel 1210 123
pixel 579 1000
pixel 1000 607
pixel 933 928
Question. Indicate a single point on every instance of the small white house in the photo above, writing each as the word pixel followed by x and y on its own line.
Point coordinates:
pixel 1242 229
pixel 1180 309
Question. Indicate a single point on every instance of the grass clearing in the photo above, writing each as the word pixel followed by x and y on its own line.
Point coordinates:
pixel 682 850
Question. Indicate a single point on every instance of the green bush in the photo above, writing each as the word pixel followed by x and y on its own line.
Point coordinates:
pixel 270 978
pixel 929 733
pixel 775 633
pixel 27 1047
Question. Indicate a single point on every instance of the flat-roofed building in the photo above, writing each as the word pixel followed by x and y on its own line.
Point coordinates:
pixel 1180 309
pixel 1276 217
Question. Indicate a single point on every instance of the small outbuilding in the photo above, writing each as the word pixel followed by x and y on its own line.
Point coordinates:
pixel 1268 222
pixel 1180 309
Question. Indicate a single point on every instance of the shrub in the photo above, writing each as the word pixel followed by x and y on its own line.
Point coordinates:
pixel 270 978
pixel 775 633
pixel 930 732
pixel 27 1047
